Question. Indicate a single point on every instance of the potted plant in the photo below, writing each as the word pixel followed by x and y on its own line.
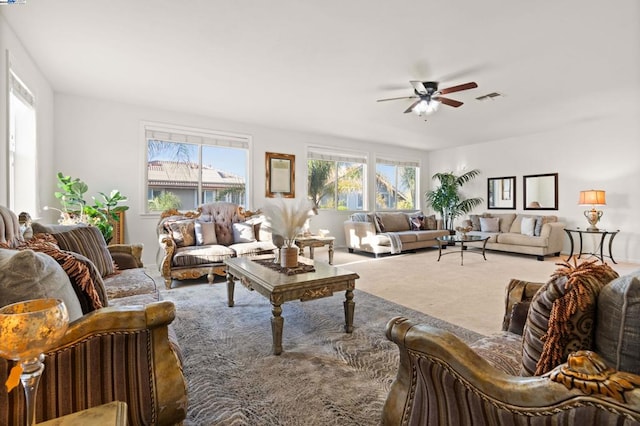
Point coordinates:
pixel 103 213
pixel 446 198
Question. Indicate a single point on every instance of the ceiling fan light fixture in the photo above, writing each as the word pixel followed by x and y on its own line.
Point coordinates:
pixel 425 107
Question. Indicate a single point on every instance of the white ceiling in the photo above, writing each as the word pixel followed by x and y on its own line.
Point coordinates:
pixel 320 65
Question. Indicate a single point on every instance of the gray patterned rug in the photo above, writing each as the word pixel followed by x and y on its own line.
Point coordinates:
pixel 323 377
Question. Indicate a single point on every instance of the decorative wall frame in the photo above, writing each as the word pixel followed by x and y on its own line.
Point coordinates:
pixel 501 193
pixel 280 177
pixel 540 192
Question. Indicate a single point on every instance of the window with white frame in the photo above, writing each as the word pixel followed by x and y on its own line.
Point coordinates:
pixel 188 167
pixel 336 180
pixel 396 184
pixel 22 156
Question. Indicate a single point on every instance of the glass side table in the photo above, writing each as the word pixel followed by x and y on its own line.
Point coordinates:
pixel 599 251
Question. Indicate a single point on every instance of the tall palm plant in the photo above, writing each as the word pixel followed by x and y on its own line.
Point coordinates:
pixel 446 198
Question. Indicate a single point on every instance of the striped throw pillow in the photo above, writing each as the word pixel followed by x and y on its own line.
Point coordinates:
pixel 89 242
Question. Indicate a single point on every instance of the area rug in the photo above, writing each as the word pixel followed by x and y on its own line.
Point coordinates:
pixel 323 377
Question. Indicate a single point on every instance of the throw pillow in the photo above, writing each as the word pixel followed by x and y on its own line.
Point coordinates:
pixel 205 233
pixel 183 232
pixel 489 224
pixel 527 226
pixel 89 242
pixel 617 337
pixel 416 223
pixel 475 221
pixel 518 317
pixel 26 275
pixel 430 222
pixel 537 230
pixel 561 316
pixel 243 233
pixel 82 273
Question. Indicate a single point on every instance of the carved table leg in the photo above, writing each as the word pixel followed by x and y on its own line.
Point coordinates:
pixel 349 308
pixel 277 323
pixel 230 287
pixel 331 253
pixel 311 252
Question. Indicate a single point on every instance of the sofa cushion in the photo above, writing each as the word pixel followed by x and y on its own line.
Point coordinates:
pixel 617 337
pixel 493 236
pixel 561 316
pixel 253 248
pixel 201 255
pixel 130 282
pixel 205 233
pixel 183 232
pixel 26 274
pixel 489 224
pixel 243 233
pixel 527 226
pixel 394 222
pixel 475 221
pixel 89 242
pixel 522 240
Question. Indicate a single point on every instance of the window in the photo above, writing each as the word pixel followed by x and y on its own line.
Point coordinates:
pixel 396 187
pixel 336 180
pixel 190 167
pixel 22 165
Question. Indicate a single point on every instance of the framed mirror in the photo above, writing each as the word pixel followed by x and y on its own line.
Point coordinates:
pixel 540 192
pixel 280 175
pixel 501 193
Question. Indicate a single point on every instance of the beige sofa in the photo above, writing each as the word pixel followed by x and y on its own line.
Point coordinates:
pixel 119 346
pixel 443 381
pixel 548 239
pixel 195 244
pixel 391 232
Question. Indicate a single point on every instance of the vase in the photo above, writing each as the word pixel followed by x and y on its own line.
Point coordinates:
pixel 289 257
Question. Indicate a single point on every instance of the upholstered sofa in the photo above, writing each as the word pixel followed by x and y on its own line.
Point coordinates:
pixel 119 345
pixel 588 370
pixel 391 232
pixel 196 243
pixel 545 238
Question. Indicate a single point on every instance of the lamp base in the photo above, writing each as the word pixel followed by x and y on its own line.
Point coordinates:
pixel 593 217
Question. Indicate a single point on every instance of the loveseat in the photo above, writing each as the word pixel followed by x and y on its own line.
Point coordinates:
pixel 576 362
pixel 119 345
pixel 196 243
pixel 391 232
pixel 541 236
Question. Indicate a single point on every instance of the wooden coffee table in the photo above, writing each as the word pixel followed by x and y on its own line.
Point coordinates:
pixel 279 287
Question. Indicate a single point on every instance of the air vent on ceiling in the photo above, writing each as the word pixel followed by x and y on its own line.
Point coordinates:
pixel 491 96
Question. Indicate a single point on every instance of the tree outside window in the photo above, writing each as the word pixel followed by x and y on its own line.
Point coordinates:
pixel 395 185
pixel 336 184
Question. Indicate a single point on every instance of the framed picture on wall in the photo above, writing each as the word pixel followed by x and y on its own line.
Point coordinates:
pixel 280 177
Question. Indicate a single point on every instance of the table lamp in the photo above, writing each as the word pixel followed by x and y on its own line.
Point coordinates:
pixel 593 197
pixel 29 329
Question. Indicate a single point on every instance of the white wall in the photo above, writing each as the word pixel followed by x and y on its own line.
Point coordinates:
pixel 12 50
pixel 100 142
pixel 601 153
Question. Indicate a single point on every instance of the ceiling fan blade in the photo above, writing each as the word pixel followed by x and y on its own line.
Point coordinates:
pixel 395 99
pixel 419 87
pixel 447 101
pixel 412 105
pixel 458 88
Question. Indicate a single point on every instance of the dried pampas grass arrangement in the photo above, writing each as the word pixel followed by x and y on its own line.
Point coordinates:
pixel 288 216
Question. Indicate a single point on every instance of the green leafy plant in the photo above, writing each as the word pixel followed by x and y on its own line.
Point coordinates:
pixel 103 213
pixel 165 201
pixel 446 198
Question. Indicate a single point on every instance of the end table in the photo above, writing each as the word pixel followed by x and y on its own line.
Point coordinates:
pixel 312 241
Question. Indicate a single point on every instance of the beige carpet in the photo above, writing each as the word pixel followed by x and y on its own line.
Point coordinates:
pixel 471 296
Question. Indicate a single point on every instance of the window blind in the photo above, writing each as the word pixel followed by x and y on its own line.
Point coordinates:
pixel 193 137
pixel 18 88
pixel 332 155
pixel 400 163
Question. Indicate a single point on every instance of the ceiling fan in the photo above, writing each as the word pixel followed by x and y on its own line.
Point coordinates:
pixel 426 92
